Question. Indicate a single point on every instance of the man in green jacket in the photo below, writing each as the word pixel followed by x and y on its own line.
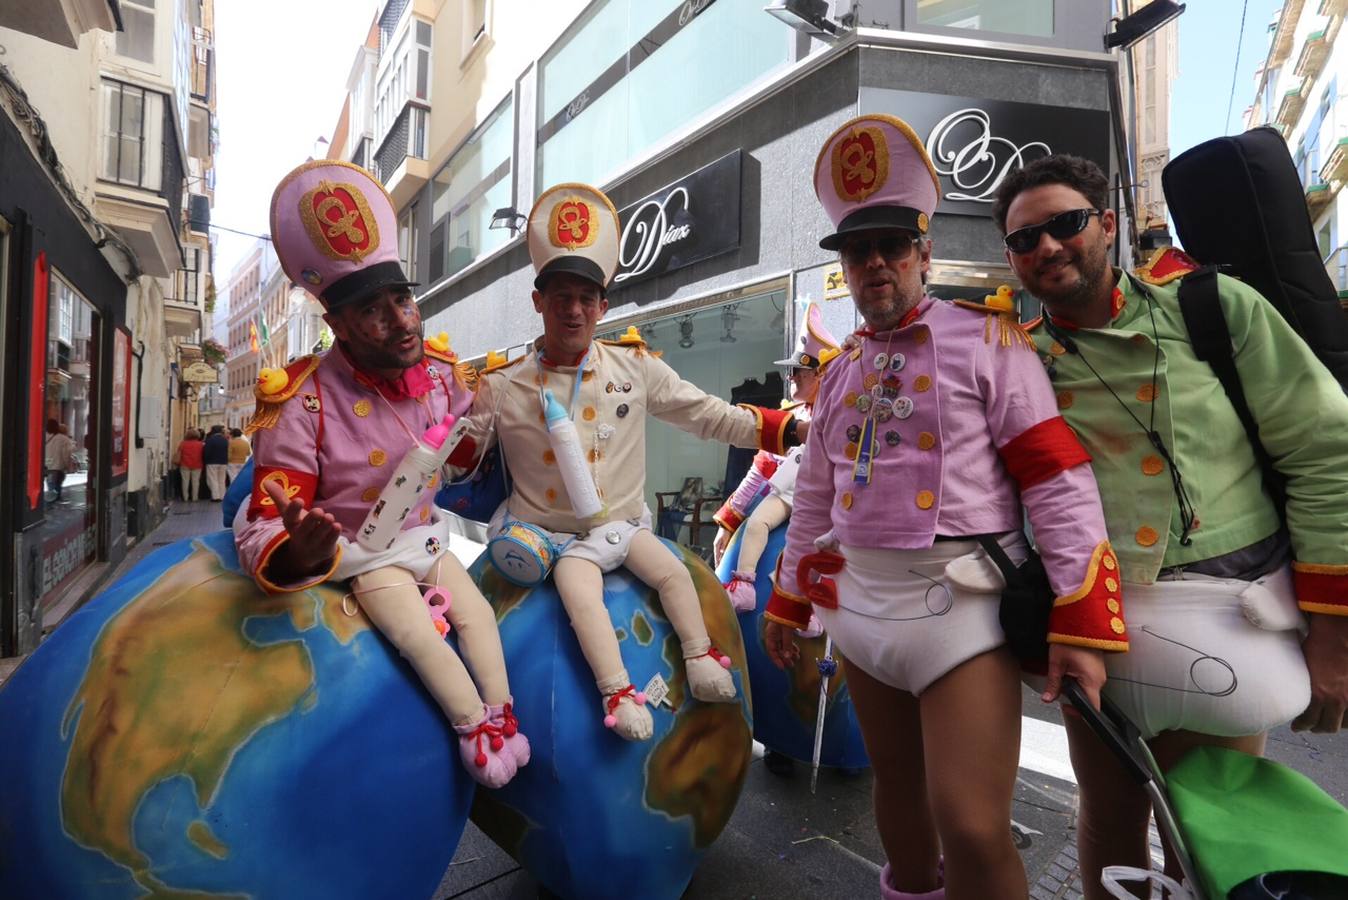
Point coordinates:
pixel 1212 582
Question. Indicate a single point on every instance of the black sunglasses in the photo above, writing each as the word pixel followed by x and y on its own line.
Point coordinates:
pixel 892 246
pixel 1060 227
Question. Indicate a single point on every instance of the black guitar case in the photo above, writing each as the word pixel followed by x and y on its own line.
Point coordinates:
pixel 1238 203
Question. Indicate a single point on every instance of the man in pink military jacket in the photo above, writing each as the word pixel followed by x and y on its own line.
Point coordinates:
pixel 934 430
pixel 329 431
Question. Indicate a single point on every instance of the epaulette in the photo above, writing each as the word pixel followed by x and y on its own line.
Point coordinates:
pixel 466 375
pixel 276 386
pixel 789 405
pixel 630 338
pixel 1000 308
pixel 497 361
pixel 437 347
pixel 1032 324
pixel 1165 265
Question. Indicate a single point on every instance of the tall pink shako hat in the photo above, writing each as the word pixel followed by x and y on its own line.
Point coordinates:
pixel 336 232
pixel 816 344
pixel 873 172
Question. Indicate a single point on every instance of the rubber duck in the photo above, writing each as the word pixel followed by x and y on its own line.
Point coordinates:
pixel 1004 299
pixel 272 381
pixel 631 336
pixel 439 342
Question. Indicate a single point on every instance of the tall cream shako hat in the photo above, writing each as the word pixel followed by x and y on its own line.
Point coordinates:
pixel 573 228
pixel 873 172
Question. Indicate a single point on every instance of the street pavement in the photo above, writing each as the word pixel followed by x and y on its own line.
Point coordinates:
pixel 784 843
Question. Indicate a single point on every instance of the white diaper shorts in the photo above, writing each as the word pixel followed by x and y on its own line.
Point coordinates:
pixel 905 621
pixel 1216 656
pixel 414 549
pixel 604 545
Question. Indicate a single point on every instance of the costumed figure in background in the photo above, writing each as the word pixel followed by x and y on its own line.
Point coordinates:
pixel 1214 574
pixel 933 431
pixel 772 477
pixel 571 420
pixel 336 441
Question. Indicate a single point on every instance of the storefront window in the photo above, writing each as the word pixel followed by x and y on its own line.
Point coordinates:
pixel 472 185
pixel 727 351
pixel 1031 17
pixel 635 71
pixel 68 533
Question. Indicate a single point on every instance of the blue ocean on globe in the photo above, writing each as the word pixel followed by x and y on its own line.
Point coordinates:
pixel 594 816
pixel 786 703
pixel 183 732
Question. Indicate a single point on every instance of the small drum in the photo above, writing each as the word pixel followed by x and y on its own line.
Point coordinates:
pixel 522 553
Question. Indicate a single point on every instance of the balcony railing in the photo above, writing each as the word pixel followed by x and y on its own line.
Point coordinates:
pixel 1336 264
pixel 1313 54
pixel 406 138
pixel 1289 110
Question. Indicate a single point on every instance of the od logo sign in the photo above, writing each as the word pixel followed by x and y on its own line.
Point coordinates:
pixel 692 219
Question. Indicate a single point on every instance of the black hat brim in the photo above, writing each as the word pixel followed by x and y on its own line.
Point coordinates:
pixel 364 284
pixel 873 217
pixel 580 266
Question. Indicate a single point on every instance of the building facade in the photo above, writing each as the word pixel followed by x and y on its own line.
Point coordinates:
pixel 702 120
pixel 1299 92
pixel 106 147
pixel 243 346
pixel 1154 64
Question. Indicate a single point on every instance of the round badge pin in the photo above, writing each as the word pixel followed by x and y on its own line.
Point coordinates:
pixel 903 407
pixel 881 360
pixel 621 410
pixel 853 433
pixel 892 438
pixel 863 403
pixel 896 362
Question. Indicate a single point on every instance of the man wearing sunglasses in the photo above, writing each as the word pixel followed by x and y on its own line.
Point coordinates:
pixel 933 428
pixel 1200 543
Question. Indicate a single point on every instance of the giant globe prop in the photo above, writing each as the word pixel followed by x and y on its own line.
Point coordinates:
pixel 786 703
pixel 184 734
pixel 594 816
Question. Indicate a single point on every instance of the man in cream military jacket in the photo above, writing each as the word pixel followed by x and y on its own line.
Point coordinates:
pixel 608 389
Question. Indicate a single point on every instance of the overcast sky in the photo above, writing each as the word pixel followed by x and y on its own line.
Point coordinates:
pixel 281 68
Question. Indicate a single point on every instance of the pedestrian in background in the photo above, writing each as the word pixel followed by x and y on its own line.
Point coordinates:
pixel 60 457
pixel 189 458
pixel 216 456
pixel 239 451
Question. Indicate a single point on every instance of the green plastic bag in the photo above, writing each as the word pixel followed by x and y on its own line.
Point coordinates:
pixel 1243 816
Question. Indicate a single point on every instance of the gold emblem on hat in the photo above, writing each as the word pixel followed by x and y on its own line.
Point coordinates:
pixel 339 222
pixel 573 224
pixel 860 163
pixel 922 222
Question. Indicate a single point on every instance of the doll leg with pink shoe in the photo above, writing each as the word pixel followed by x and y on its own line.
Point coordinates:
pixel 393 601
pixel 653 563
pixel 581 586
pixel 474 622
pixel 770 512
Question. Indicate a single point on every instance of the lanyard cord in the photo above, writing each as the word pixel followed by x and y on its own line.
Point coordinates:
pixel 575 388
pixel 1186 508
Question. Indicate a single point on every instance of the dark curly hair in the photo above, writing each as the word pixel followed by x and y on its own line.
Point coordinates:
pixel 1077 173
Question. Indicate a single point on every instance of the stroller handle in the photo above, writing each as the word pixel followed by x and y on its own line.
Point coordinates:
pixel 1113 728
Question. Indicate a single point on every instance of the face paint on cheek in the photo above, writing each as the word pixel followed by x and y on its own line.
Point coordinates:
pixel 903 267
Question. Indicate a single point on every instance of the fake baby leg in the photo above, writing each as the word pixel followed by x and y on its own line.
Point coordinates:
pixel 480 643
pixel 651 561
pixel 581 586
pixel 769 513
pixel 393 601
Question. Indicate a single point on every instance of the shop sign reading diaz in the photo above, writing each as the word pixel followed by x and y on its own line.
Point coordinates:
pixel 694 218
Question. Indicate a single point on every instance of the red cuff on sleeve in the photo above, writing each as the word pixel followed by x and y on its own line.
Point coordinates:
pixel 1092 616
pixel 1042 451
pixel 728 518
pixel 771 427
pixel 1321 588
pixel 295 484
